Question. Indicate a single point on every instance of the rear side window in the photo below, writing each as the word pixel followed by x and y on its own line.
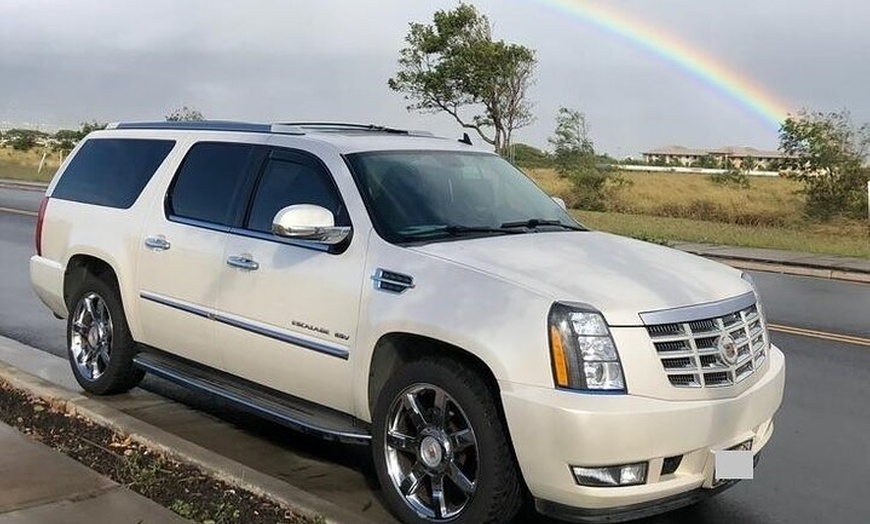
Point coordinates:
pixel 210 181
pixel 111 171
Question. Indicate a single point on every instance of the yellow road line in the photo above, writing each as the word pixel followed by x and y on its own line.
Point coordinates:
pixel 834 337
pixel 18 211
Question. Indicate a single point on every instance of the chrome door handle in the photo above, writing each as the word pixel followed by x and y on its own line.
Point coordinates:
pixel 242 262
pixel 157 243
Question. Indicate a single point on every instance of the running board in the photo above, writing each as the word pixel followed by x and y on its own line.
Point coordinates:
pixel 278 407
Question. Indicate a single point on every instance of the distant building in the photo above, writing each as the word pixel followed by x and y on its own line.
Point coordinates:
pixel 731 156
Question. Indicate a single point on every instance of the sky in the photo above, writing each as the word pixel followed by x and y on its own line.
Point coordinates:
pixel 63 62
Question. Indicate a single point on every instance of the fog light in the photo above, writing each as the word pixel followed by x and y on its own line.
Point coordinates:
pixel 627 475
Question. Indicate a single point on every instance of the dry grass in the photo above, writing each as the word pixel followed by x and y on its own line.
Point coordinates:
pixel 847 238
pixel 667 207
pixel 768 202
pixel 550 182
pixel 24 165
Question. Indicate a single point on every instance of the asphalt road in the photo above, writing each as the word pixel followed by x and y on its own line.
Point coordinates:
pixel 814 470
pixel 20 200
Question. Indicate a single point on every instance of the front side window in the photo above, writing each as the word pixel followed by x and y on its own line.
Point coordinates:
pixel 418 196
pixel 286 183
pixel 210 182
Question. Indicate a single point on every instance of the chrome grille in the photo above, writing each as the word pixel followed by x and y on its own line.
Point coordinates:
pixel 691 354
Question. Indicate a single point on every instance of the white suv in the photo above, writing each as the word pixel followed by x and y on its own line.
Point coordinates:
pixel 414 294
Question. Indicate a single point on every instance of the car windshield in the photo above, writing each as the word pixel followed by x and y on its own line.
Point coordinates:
pixel 421 196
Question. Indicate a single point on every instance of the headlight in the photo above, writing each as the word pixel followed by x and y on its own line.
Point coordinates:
pixel 748 278
pixel 758 305
pixel 583 354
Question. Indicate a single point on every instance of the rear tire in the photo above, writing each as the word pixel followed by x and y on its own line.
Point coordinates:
pixel 441 449
pixel 100 347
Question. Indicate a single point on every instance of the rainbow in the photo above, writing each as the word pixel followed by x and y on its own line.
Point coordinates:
pixel 721 78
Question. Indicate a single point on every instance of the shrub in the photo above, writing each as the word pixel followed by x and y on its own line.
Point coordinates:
pixel 732 177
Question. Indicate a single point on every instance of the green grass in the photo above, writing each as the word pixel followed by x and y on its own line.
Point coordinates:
pixel 850 239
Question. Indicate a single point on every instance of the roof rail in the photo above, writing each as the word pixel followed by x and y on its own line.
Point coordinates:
pixel 205 125
pixel 343 126
pixel 287 128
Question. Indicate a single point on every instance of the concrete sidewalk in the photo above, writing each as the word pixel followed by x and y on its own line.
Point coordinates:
pixel 40 485
pixel 786 262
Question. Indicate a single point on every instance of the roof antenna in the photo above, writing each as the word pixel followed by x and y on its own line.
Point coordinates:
pixel 465 139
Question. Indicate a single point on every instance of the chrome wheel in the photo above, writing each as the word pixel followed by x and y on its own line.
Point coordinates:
pixel 431 451
pixel 91 336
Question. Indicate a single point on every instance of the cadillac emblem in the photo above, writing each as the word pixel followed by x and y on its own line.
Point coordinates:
pixel 727 349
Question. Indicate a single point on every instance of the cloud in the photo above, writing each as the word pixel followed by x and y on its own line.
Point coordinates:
pixel 65 62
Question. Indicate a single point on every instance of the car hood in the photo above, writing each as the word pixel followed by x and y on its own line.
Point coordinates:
pixel 619 276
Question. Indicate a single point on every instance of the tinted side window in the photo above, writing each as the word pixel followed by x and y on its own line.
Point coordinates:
pixel 111 171
pixel 285 183
pixel 209 182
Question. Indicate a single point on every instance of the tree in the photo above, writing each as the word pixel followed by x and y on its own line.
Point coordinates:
pixel 185 114
pixel 66 139
pixel 575 158
pixel 573 149
pixel 89 127
pixel 708 162
pixel 528 156
pixel 733 176
pixel 23 142
pixel 454 64
pixel 826 153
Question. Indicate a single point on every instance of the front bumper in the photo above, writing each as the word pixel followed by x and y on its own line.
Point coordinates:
pixel 631 512
pixel 552 430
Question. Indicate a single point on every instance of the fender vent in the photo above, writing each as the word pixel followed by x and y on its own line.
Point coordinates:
pixel 391 281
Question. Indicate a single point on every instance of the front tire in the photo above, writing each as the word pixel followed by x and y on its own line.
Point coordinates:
pixel 441 449
pixel 99 344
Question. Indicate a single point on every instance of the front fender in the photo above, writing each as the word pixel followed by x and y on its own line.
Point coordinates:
pixel 500 323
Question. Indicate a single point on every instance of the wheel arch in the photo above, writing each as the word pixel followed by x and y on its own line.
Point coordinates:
pixel 81 264
pixel 397 348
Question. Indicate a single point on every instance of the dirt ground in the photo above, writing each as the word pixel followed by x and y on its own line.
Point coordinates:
pixel 180 487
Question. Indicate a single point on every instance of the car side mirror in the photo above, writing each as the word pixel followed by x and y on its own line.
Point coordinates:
pixel 560 202
pixel 310 223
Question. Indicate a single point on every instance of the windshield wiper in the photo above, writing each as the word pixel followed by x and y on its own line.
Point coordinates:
pixel 534 223
pixel 455 230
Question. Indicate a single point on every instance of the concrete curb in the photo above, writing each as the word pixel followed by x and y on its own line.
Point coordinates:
pixel 173 446
pixel 790 269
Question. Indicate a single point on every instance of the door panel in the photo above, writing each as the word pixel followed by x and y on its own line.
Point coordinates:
pixel 290 324
pixel 178 289
pixel 289 318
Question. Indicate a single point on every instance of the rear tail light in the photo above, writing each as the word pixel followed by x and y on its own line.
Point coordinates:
pixel 39 221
